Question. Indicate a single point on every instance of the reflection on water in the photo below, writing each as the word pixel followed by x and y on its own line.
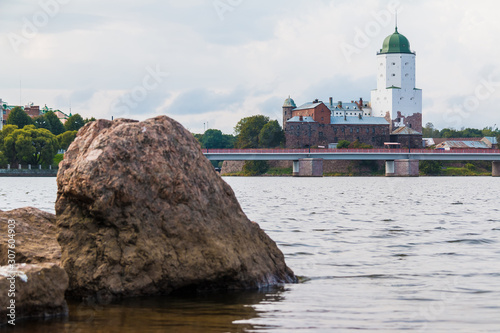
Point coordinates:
pixel 195 314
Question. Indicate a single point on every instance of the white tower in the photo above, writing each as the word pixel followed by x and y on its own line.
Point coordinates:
pixel 396 97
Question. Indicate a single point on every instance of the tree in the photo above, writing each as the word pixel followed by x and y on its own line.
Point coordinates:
pixel 42 122
pixel 88 120
pixel 31 145
pixel 55 123
pixel 343 144
pixel 7 129
pixel 431 167
pixel 358 145
pixel 248 130
pixel 3 159
pixel 255 168
pixel 66 138
pixel 429 131
pixel 271 135
pixel 19 118
pixel 212 138
pixel 74 123
pixel 498 140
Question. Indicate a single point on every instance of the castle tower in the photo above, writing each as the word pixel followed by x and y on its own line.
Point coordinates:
pixel 396 97
pixel 288 106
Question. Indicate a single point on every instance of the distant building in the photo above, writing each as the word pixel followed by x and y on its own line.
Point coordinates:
pixel 63 117
pixel 491 141
pixel 395 112
pixel 396 97
pixel 319 124
pixel 488 142
pixel 462 144
pixel 31 110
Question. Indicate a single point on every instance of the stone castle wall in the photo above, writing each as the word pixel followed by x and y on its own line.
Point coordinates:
pixel 301 135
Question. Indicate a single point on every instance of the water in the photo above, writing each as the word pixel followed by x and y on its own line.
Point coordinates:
pixel 374 254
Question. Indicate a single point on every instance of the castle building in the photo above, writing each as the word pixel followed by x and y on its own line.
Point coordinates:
pixel 394 114
pixel 396 97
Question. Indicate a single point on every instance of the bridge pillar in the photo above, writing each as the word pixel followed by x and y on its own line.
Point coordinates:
pixel 389 169
pixel 495 172
pixel 402 168
pixel 308 167
pixel 296 168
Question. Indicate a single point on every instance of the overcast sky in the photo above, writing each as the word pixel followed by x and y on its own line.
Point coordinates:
pixel 202 61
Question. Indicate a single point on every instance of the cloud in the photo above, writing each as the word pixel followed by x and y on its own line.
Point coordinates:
pixel 93 52
pixel 198 101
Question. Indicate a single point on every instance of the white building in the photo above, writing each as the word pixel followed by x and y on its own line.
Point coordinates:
pixel 396 97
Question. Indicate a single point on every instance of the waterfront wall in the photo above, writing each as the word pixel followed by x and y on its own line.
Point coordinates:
pixel 300 135
pixel 28 173
pixel 329 167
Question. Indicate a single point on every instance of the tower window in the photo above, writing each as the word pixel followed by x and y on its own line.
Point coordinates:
pixel 393 74
pixel 394 64
pixel 407 74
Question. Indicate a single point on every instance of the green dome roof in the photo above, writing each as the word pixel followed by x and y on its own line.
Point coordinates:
pixel 289 103
pixel 396 43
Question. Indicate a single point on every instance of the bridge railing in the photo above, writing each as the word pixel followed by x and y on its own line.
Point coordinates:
pixel 344 151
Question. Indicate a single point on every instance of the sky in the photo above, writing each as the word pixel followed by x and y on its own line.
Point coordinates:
pixel 209 63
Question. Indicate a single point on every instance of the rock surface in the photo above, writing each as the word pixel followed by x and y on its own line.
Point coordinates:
pixel 39 292
pixel 40 281
pixel 141 211
pixel 35 236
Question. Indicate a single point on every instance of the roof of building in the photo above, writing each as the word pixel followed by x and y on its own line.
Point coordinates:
pixel 455 144
pixel 289 103
pixel 358 121
pixel 492 139
pixel 396 43
pixel 296 119
pixel 308 106
pixel 405 131
pixel 347 106
pixel 441 140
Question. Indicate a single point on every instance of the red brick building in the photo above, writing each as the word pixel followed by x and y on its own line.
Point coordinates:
pixel 318 124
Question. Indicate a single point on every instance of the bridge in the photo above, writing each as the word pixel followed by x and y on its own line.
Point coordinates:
pixel 399 162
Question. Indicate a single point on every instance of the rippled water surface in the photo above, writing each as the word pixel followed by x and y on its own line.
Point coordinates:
pixel 375 255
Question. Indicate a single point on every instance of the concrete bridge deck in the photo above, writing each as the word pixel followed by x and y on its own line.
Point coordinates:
pixel 399 162
pixel 352 154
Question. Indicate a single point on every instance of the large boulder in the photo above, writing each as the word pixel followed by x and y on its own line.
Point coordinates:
pixel 141 211
pixel 32 291
pixel 35 236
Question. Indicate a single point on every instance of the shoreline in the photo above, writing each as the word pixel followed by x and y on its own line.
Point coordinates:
pixel 28 173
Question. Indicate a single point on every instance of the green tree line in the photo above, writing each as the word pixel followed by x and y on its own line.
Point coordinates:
pixel 250 132
pixel 36 141
pixel 429 131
